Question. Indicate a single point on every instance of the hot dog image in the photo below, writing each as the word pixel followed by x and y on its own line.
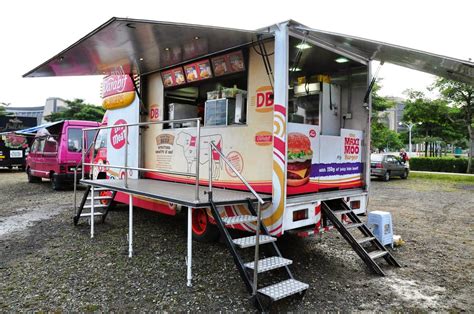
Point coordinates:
pixel 300 155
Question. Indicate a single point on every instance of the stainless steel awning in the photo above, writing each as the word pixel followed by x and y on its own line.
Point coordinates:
pixel 451 68
pixel 140 47
pixel 143 46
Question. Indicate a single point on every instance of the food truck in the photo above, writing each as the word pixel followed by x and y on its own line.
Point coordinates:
pixel 267 131
pixel 13 146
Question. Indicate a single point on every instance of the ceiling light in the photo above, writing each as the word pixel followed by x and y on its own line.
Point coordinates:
pixel 303 46
pixel 341 60
pixel 295 69
pixel 141 59
pixel 196 37
pixel 167 49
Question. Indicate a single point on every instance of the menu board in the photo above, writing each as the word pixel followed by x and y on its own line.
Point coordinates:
pixel 173 77
pixel 229 63
pixel 200 70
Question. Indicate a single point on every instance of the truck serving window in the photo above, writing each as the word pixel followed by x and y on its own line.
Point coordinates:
pixel 213 89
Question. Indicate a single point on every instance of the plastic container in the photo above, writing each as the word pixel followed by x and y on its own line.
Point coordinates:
pixel 380 223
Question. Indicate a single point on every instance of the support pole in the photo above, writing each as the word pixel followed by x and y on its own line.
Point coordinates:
pixel 130 225
pixel 126 157
pixel 257 254
pixel 198 155
pixel 189 260
pixel 83 153
pixel 75 191
pixel 92 211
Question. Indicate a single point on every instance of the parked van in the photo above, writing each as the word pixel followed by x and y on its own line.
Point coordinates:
pixel 56 151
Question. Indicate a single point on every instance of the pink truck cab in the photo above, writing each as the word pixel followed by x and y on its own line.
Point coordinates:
pixel 56 151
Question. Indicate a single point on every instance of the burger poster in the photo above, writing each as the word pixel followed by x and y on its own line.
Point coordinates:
pixel 317 162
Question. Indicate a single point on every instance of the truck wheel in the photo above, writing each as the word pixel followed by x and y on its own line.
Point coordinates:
pixel 386 176
pixel 55 182
pixel 404 175
pixel 203 229
pixel 31 178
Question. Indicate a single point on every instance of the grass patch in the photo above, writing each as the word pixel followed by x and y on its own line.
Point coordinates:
pixel 443 177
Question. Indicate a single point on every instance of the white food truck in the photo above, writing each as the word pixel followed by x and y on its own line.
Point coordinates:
pixel 266 131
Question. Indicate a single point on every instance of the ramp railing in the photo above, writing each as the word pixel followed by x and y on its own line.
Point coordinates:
pixel 260 202
pixel 126 167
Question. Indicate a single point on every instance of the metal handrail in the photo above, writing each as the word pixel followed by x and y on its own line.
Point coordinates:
pixel 260 202
pixel 187 174
pixel 81 162
pixel 242 179
pixel 84 154
pixel 143 124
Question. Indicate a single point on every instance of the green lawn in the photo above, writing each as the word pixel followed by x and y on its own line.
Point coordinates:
pixel 443 177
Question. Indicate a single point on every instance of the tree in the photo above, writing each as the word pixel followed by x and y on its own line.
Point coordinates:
pixel 381 136
pixel 461 96
pixel 436 129
pixel 3 112
pixel 78 110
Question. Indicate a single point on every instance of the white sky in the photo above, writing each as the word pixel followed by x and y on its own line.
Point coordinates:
pixel 33 31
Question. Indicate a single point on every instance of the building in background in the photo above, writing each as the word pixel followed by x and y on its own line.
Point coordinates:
pixel 391 117
pixel 26 112
pixel 52 104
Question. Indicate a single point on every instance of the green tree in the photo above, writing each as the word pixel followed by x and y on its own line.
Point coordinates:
pixel 460 96
pixel 3 111
pixel 436 128
pixel 78 110
pixel 381 136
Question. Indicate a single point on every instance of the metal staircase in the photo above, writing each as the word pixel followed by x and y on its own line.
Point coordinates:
pixel 263 297
pixel 103 200
pixel 366 244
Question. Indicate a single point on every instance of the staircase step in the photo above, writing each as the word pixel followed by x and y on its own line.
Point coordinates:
pixel 364 240
pixel 341 212
pixel 96 206
pixel 377 254
pixel 355 225
pixel 89 214
pixel 100 198
pixel 269 263
pixel 239 219
pixel 283 289
pixel 250 241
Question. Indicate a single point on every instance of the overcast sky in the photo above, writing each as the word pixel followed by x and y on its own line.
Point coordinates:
pixel 33 31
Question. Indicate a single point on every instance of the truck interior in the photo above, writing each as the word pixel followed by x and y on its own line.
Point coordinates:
pixel 199 99
pixel 321 84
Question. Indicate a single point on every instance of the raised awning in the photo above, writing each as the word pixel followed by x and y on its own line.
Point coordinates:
pixel 451 68
pixel 139 47
pixel 35 129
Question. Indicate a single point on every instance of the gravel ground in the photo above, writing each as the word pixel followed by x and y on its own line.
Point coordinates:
pixel 49 265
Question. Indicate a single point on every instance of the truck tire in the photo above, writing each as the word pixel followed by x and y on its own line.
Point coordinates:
pixel 55 182
pixel 203 229
pixel 31 178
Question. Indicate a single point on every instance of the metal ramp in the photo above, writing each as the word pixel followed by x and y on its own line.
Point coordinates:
pixel 101 198
pixel 263 297
pixel 366 245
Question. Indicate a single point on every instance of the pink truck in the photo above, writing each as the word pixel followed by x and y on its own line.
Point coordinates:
pixel 56 151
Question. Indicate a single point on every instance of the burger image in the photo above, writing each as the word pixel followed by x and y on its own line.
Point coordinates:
pixel 299 159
